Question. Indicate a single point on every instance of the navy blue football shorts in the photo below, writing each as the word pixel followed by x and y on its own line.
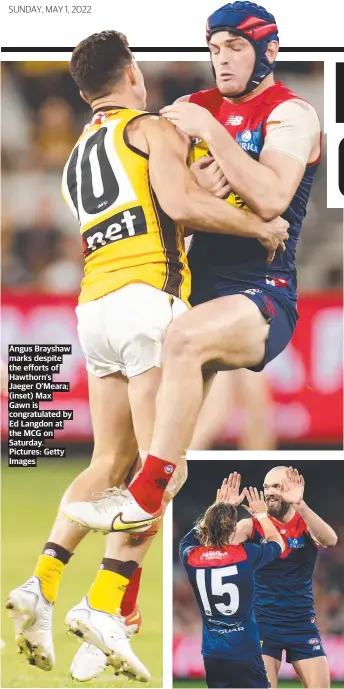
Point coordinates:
pixel 235 674
pixel 298 645
pixel 279 312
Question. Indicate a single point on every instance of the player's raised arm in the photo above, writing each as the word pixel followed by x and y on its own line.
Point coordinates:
pixel 257 508
pixel 182 199
pixel 292 492
pixel 267 186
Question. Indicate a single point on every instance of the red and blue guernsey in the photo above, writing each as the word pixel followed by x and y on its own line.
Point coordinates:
pixel 283 596
pixel 240 261
pixel 223 583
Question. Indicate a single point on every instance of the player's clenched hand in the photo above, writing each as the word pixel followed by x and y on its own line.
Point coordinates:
pixel 230 490
pixel 292 489
pixel 256 502
pixel 210 177
pixel 189 117
pixel 274 234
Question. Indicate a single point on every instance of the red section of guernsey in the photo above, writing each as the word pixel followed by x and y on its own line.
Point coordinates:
pixel 203 556
pixel 294 529
pixel 249 115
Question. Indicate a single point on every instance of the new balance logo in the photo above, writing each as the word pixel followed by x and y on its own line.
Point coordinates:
pixel 234 120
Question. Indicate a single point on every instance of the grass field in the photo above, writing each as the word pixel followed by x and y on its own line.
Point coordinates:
pixel 29 501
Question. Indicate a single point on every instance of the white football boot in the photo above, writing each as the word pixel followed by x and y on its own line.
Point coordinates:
pixel 111 636
pixel 116 510
pixel 89 661
pixel 32 615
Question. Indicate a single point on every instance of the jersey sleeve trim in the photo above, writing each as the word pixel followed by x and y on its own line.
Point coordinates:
pixel 133 148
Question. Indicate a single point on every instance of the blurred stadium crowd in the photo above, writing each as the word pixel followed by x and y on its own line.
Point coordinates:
pixel 42 116
pixel 328 582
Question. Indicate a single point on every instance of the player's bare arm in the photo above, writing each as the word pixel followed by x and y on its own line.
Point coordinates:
pixel 183 200
pixel 292 492
pixel 292 141
pixel 257 507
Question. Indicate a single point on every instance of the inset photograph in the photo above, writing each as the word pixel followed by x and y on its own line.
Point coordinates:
pixel 258 596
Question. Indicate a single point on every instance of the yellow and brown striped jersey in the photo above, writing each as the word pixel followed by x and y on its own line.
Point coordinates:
pixel 126 235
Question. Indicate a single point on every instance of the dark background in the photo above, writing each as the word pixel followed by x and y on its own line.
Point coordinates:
pixel 324 481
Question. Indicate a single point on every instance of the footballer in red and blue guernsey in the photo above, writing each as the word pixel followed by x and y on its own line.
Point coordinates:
pixel 221 572
pixel 265 142
pixel 283 596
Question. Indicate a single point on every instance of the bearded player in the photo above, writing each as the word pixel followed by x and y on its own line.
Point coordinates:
pixel 266 141
pixel 284 603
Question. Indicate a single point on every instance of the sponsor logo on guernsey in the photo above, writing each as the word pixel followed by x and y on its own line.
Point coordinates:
pixel 234 120
pixel 246 135
pixel 313 641
pixel 123 225
pixel 228 631
pixel 223 624
pixel 296 543
pixel 250 141
pixel 213 554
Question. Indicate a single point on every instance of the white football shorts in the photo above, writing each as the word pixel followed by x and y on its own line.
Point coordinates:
pixel 125 330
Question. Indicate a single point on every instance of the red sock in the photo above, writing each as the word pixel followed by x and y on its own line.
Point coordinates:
pixel 149 485
pixel 132 591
